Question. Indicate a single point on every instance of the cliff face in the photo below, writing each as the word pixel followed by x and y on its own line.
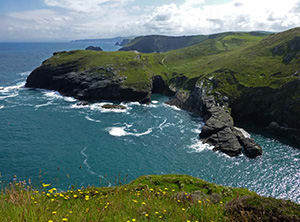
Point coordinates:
pixel 242 74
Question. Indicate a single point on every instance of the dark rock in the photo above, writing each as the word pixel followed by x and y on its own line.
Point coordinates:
pixel 1 88
pixel 91 84
pixel 292 134
pixel 113 106
pixel 93 48
pixel 219 130
pixel 82 103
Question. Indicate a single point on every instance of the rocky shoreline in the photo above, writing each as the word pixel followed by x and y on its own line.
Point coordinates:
pixel 104 84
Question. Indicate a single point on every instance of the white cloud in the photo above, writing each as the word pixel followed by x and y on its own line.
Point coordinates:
pixel 237 15
pixel 85 5
pixel 74 19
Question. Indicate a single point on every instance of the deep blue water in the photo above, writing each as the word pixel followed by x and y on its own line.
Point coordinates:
pixel 47 137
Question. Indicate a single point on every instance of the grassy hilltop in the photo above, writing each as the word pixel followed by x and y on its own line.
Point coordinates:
pixel 149 198
pixel 228 63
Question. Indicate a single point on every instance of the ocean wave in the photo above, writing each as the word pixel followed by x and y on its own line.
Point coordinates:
pixel 8 89
pixel 9 96
pixel 120 131
pixel 42 105
pixel 198 131
pixel 85 162
pixel 56 95
pixel 98 107
pixel 198 146
pixel 92 120
pixel 154 101
pixel 24 73
pixel 1 107
pixel 172 107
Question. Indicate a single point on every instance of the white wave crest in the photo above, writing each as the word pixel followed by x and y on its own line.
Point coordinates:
pixel 120 131
pixel 198 146
pixel 9 96
pixel 198 131
pixel 52 95
pixel 172 107
pixel 154 101
pixel 1 107
pixel 42 105
pixel 24 73
pixel 92 120
pixel 19 85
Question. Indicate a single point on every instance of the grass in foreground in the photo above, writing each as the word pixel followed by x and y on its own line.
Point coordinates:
pixel 149 198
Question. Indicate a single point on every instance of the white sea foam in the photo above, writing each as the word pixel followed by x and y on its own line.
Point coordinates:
pixel 42 105
pixel 172 107
pixel 198 131
pixel 24 73
pixel 198 146
pixel 120 131
pixel 1 107
pixel 9 96
pixel 8 89
pixel 56 95
pixel 85 162
pixel 92 120
pixel 52 95
pixel 98 107
pixel 154 101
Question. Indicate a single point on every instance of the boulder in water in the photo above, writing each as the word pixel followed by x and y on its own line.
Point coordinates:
pixel 114 106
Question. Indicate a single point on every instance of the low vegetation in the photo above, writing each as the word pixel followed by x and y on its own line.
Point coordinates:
pixel 149 198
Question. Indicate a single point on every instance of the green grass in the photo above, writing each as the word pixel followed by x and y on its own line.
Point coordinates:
pixel 229 63
pixel 149 198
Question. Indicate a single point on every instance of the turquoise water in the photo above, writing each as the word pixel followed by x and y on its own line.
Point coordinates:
pixel 47 137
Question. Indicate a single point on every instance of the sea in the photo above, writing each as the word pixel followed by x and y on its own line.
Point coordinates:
pixel 48 138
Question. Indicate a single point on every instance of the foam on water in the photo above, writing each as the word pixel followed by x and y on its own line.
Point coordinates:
pixel 45 104
pixel 198 146
pixel 98 107
pixel 8 89
pixel 120 131
pixel 1 107
pixel 9 96
pixel 172 107
pixel 92 120
pixel 25 74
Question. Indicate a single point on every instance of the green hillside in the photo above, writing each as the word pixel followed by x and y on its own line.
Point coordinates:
pixel 149 198
pixel 159 43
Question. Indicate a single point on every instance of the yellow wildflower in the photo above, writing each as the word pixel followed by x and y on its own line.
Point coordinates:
pixel 46 185
pixel 64 219
pixel 52 200
pixel 221 202
pixel 151 190
pixel 87 210
pixel 70 211
pixel 160 217
pixel 48 194
pixel 54 212
pixel 183 209
pixel 146 215
pixel 50 220
pixel 156 212
pixel 133 219
pixel 143 203
pixel 166 188
pixel 199 201
pixel 75 196
pixel 173 190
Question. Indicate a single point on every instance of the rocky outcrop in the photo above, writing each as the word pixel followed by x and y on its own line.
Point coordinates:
pixel 93 48
pixel 99 83
pixel 265 105
pixel 219 130
pixel 113 106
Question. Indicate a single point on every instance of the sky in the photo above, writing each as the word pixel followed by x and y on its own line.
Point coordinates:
pixel 64 20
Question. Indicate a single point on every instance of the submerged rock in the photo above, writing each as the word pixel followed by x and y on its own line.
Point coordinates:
pixel 113 106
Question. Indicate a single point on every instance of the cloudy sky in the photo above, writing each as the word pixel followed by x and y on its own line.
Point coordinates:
pixel 56 20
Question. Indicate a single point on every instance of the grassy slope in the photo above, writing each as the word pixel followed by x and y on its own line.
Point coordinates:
pixel 138 68
pixel 158 43
pixel 149 198
pixel 228 62
pixel 235 61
